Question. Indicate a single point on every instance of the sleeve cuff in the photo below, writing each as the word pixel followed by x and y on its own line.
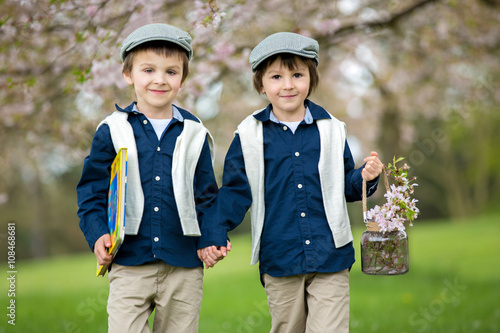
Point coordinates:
pixel 372 185
pixel 213 236
pixel 95 231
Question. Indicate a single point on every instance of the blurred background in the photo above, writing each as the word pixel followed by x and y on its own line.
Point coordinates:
pixel 412 78
pixel 419 79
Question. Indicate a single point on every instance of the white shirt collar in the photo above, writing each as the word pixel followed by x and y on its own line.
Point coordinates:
pixel 308 119
pixel 175 112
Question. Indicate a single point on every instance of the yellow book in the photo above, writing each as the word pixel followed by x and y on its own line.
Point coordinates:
pixel 116 205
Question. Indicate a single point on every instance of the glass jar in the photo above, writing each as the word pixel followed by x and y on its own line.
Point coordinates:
pixel 384 253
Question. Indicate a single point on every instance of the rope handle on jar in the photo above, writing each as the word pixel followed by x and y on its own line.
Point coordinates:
pixel 387 187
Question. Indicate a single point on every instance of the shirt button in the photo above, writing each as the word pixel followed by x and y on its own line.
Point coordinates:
pixel 285 128
pixel 308 242
pixel 297 154
pixel 299 186
pixel 156 239
pixel 144 121
pixel 157 178
pixel 156 209
pixel 158 149
pixel 303 214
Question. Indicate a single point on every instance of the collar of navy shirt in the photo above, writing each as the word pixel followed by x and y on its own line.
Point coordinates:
pixel 132 108
pixel 313 112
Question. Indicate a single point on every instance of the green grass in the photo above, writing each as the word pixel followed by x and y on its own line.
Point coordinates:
pixel 453 286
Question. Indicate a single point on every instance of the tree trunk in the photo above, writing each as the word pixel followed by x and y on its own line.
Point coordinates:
pixel 38 221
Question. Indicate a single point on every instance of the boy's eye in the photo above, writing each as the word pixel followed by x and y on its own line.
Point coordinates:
pixel 149 70
pixel 171 72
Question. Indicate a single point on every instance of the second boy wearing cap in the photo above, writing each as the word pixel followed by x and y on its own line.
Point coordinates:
pixel 291 163
pixel 170 185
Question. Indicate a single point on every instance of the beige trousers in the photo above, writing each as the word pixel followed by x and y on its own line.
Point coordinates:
pixel 311 303
pixel 135 291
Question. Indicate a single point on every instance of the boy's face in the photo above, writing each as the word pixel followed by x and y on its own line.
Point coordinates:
pixel 157 80
pixel 286 89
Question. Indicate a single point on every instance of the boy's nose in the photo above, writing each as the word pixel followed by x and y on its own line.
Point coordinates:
pixel 287 83
pixel 160 79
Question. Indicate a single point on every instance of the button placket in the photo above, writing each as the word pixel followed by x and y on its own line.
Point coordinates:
pixel 157 179
pixel 301 197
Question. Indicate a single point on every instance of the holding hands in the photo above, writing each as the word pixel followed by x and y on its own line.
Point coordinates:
pixel 212 254
pixel 373 167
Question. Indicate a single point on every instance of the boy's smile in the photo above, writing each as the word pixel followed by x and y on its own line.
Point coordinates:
pixel 286 90
pixel 157 80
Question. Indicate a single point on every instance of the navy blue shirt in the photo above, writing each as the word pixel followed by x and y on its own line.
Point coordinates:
pixel 160 235
pixel 296 238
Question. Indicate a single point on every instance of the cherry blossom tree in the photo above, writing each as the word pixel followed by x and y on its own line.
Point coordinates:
pixel 413 78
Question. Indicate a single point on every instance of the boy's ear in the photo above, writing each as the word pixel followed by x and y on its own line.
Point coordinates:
pixel 128 78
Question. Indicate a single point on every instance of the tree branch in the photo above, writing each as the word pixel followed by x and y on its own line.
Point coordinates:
pixel 379 22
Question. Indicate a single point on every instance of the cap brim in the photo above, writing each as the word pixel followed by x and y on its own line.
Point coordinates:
pixel 256 64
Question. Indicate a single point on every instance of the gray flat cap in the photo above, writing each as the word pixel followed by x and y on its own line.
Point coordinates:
pixel 157 31
pixel 284 42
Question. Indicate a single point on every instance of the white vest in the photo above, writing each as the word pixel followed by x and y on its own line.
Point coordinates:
pixel 185 158
pixel 332 134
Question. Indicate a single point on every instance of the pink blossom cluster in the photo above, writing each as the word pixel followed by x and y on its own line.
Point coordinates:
pixel 400 206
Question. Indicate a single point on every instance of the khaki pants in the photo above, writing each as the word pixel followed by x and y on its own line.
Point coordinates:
pixel 311 303
pixel 135 291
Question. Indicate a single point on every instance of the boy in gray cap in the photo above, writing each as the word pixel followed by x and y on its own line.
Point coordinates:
pixel 291 163
pixel 170 185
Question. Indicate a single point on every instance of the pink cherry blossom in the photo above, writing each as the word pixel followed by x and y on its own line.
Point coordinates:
pixel 400 207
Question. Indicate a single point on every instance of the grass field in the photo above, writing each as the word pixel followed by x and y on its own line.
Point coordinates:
pixel 453 286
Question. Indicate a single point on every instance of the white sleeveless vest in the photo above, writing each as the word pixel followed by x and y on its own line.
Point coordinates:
pixel 332 134
pixel 187 151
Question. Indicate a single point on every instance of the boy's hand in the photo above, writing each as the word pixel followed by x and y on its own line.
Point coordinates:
pixel 101 250
pixel 212 254
pixel 373 167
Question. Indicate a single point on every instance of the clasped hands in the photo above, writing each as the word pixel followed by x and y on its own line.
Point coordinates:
pixel 212 254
